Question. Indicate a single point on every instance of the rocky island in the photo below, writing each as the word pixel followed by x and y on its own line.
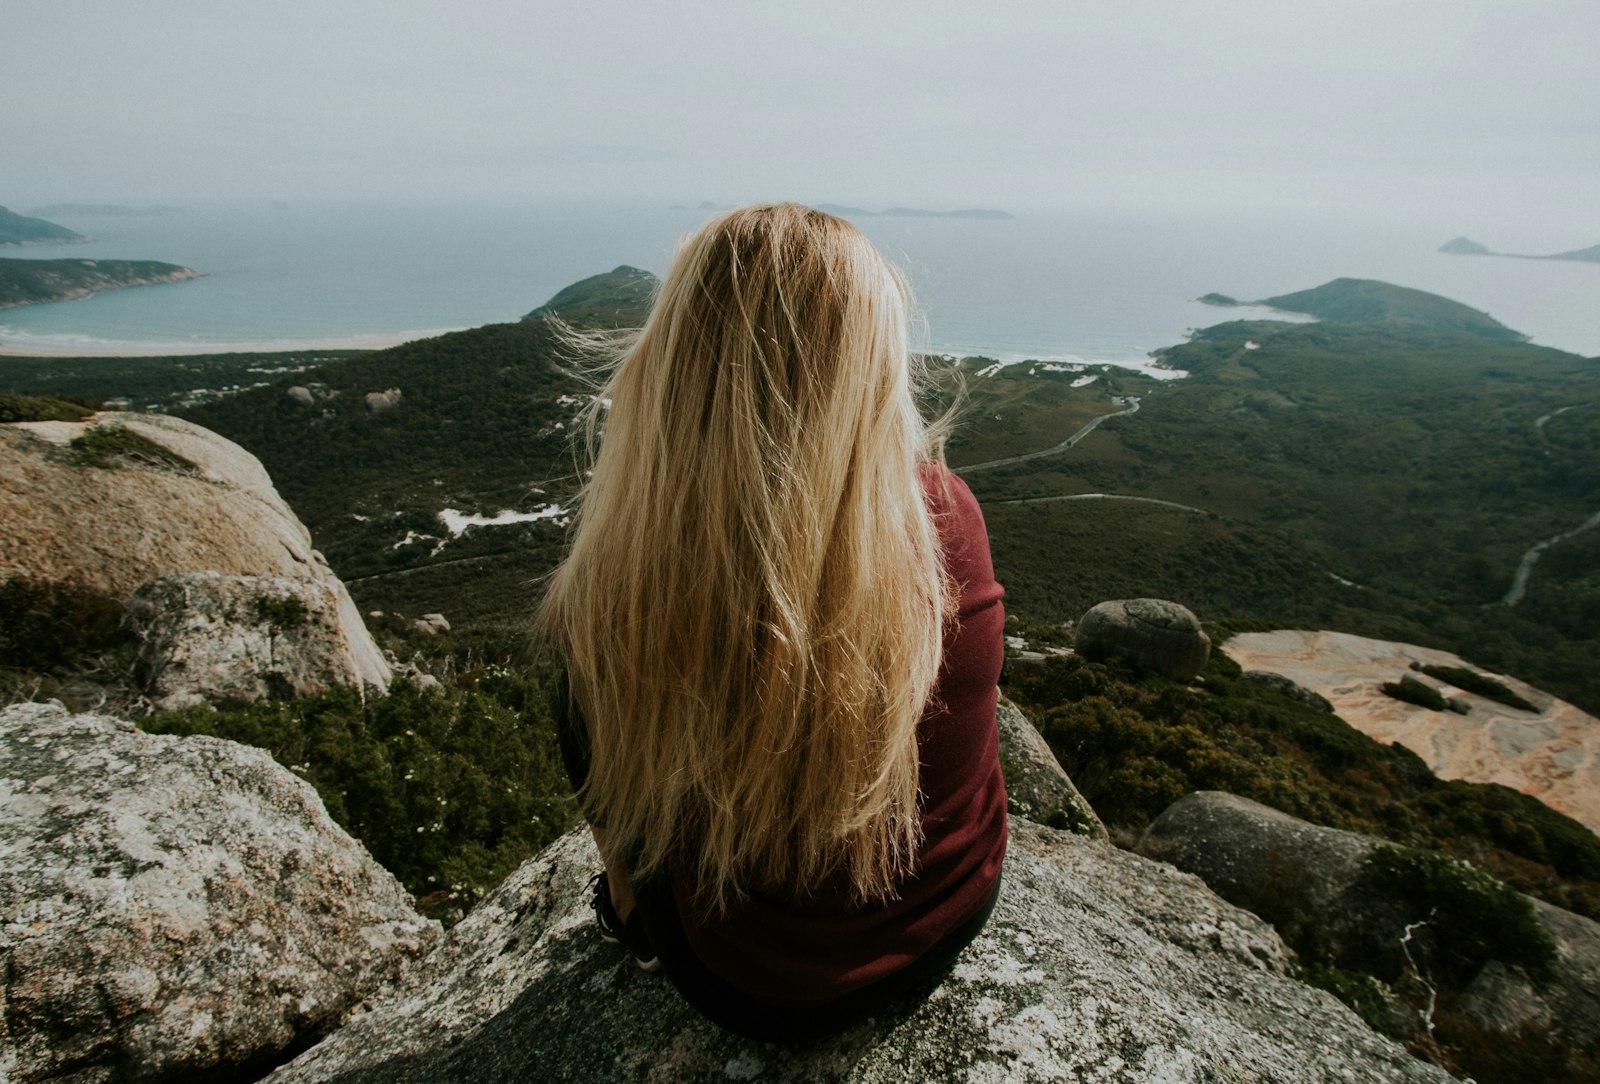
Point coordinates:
pixel 32 282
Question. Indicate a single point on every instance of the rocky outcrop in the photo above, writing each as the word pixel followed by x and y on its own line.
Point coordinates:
pixel 209 637
pixel 174 907
pixel 1151 633
pixel 1036 785
pixel 109 523
pixel 1097 965
pixel 379 401
pixel 1552 752
pixel 1294 872
pixel 1257 857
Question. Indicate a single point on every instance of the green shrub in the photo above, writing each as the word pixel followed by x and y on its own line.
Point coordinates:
pixel 46 625
pixel 1414 692
pixel 286 613
pixel 44 408
pixel 1473 682
pixel 449 790
pixel 102 445
pixel 1464 916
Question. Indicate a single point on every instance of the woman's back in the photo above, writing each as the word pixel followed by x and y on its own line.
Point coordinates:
pixel 759 615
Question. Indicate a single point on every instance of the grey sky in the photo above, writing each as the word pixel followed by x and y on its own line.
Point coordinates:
pixel 1397 104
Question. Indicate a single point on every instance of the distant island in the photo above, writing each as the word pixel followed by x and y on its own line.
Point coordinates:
pixel 18 229
pixel 1368 301
pixel 1466 246
pixel 100 210
pixel 33 282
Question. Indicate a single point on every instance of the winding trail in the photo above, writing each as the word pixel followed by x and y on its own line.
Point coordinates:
pixel 1519 582
pixel 1054 449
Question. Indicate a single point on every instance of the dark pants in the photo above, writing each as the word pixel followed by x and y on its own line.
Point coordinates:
pixel 723 1004
pixel 717 999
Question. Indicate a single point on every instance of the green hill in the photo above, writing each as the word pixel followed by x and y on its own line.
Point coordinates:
pixel 621 297
pixel 18 229
pixel 31 282
pixel 1368 301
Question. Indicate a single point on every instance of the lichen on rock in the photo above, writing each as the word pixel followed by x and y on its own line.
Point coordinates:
pixel 174 907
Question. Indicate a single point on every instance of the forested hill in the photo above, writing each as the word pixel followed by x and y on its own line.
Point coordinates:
pixel 18 229
pixel 1368 301
pixel 30 282
pixel 620 298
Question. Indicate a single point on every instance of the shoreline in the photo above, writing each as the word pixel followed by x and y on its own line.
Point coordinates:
pixel 379 340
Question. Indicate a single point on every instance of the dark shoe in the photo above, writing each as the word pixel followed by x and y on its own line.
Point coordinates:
pixel 613 931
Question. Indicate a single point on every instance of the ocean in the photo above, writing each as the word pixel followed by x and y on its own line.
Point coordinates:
pixel 1070 286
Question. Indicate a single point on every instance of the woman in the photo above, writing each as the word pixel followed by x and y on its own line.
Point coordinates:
pixel 782 634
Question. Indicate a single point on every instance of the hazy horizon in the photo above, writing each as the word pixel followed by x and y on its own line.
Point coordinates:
pixel 1482 115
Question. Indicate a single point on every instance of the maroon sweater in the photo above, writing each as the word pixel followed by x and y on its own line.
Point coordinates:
pixel 789 954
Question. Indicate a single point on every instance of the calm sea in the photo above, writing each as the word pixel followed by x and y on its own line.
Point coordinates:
pixel 1089 287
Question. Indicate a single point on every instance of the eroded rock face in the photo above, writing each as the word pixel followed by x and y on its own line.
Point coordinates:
pixel 1097 965
pixel 1152 633
pixel 209 637
pixel 1037 787
pixel 175 906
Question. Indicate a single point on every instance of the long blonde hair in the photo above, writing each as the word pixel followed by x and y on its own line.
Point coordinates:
pixel 752 608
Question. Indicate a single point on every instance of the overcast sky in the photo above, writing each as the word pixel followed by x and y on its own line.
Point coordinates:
pixel 1393 104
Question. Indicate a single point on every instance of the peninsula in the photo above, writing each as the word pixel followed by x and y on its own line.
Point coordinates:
pixel 1466 246
pixel 1368 301
pixel 32 282
pixel 18 229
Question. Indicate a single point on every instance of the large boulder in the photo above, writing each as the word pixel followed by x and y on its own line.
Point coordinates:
pixel 142 496
pixel 176 907
pixel 1151 633
pixel 209 637
pixel 1256 856
pixel 1037 787
pixel 1097 965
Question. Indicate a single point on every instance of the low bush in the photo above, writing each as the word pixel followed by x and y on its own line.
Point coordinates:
pixel 1473 682
pixel 449 789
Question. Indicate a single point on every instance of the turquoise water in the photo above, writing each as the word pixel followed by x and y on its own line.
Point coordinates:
pixel 1090 287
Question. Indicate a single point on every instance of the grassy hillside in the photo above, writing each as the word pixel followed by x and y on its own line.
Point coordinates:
pixel 18 229
pixel 29 282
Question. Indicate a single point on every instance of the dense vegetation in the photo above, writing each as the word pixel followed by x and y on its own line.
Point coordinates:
pixel 27 282
pixel 1378 480
pixel 159 383
pixel 450 788
pixel 1134 743
pixel 18 229
pixel 44 408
